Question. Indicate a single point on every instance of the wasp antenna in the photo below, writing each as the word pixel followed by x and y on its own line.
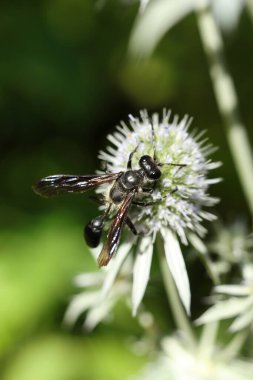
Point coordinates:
pixel 153 139
pixel 171 164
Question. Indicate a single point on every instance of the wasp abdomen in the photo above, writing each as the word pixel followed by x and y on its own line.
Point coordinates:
pixel 93 231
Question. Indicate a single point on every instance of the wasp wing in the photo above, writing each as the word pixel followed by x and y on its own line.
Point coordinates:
pixel 67 183
pixel 113 237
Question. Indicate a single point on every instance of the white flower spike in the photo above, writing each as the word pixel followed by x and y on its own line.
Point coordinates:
pixel 173 207
pixel 179 360
pixel 178 196
pixel 237 303
pixel 181 192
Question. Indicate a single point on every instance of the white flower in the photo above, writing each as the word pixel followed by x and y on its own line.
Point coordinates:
pixel 177 212
pixel 101 291
pixel 179 196
pixel 157 17
pixel 238 302
pixel 227 13
pixel 180 360
pixel 181 192
pixel 232 245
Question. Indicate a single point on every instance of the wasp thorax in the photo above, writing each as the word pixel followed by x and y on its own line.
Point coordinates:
pixel 150 167
pixel 116 194
pixel 131 179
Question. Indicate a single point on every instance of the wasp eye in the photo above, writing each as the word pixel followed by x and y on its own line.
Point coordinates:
pixel 145 161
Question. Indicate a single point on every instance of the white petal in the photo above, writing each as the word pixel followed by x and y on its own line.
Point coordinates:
pixel 242 321
pixel 213 165
pixel 89 279
pixel 234 346
pixel 227 13
pixel 208 337
pixel 115 266
pixel 141 271
pixel 143 5
pixel 197 243
pixel 177 267
pixel 158 18
pixel 97 314
pixel 78 305
pixel 224 309
pixel 212 181
pixel 235 290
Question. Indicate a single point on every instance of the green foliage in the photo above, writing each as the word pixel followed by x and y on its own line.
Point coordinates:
pixel 65 81
pixel 37 267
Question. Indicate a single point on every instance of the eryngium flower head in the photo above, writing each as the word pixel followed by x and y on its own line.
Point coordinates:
pixel 181 192
pixel 233 301
pixel 101 291
pixel 176 209
pixel 177 199
pixel 206 360
pixel 232 246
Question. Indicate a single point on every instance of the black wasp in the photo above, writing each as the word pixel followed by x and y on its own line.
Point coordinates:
pixel 125 186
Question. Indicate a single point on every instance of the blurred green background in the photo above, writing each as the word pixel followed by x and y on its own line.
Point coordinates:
pixel 65 82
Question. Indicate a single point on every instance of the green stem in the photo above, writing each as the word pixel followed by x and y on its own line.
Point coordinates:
pixel 235 345
pixel 249 6
pixel 226 98
pixel 177 308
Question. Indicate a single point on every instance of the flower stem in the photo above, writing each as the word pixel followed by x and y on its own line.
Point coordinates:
pixel 235 345
pixel 249 5
pixel 226 98
pixel 177 308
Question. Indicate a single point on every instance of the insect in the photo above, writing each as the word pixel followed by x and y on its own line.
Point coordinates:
pixel 125 186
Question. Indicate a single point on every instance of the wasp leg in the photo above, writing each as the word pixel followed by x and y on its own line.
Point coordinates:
pixel 173 190
pixel 147 189
pixel 150 203
pixel 131 226
pixel 170 164
pixel 144 204
pixel 179 166
pixel 129 162
pixel 104 167
pixel 99 199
